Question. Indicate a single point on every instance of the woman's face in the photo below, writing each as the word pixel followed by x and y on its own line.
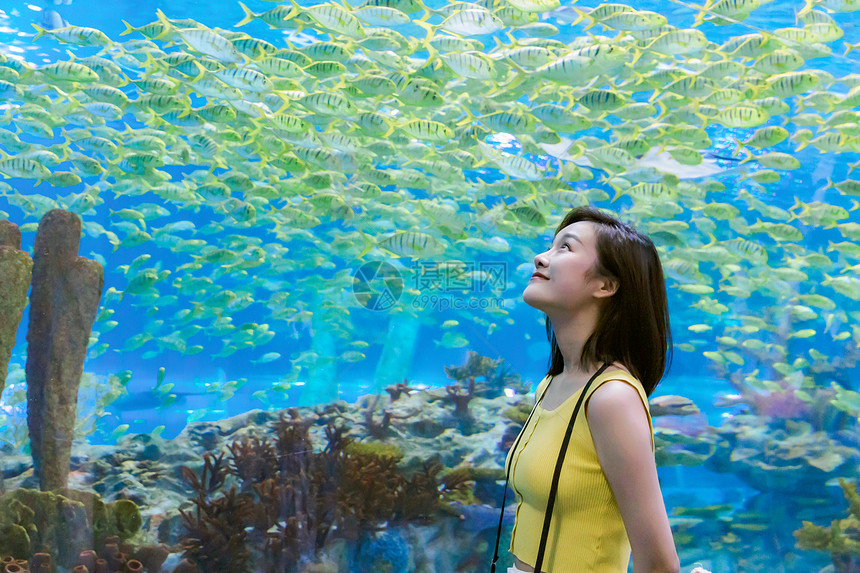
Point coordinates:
pixel 570 281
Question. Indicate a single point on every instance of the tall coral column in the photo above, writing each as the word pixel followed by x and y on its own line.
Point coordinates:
pixel 16 268
pixel 63 304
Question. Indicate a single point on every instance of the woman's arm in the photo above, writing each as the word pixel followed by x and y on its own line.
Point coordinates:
pixel 622 439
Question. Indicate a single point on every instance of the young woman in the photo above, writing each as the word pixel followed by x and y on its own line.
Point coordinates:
pixel 601 287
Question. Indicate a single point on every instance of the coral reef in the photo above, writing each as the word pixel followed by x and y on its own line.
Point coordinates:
pixel 62 524
pixel 310 489
pixel 841 539
pixel 66 290
pixel 395 390
pixel 496 374
pixel 291 501
pixel 791 460
pixel 16 269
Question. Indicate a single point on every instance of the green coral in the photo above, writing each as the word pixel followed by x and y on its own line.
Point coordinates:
pixel 468 473
pixel 374 449
pixel 518 414
pixel 14 541
pixel 842 537
pixel 126 518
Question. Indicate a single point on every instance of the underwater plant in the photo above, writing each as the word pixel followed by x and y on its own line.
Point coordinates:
pixel 841 538
pixel 216 539
pixel 496 373
pixel 287 502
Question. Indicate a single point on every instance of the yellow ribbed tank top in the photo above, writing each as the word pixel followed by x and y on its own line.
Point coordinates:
pixel 586 534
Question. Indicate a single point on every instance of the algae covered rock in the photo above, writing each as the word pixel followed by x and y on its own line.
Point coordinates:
pixel 14 541
pixel 63 523
pixel 16 269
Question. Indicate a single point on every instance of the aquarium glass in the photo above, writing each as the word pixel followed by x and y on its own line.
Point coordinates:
pixel 262 269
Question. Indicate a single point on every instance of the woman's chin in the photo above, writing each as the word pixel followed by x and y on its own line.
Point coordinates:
pixel 532 300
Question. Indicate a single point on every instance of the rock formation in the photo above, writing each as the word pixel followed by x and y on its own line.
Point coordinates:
pixel 63 305
pixel 16 268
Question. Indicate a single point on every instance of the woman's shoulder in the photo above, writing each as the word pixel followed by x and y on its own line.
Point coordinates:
pixel 617 371
pixel 616 366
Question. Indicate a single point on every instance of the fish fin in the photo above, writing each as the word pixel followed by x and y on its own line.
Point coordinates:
pixel 163 19
pixel 249 16
pixel 129 28
pixel 41 32
pixel 368 244
pixel 431 31
pixel 580 16
pixel 749 155
pixel 703 10
pixel 427 13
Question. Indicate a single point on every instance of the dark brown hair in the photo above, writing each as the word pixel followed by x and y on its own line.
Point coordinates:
pixel 633 326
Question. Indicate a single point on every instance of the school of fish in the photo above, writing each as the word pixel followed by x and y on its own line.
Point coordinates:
pixel 378 131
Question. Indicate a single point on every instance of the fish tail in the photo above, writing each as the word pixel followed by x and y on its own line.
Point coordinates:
pixel 582 16
pixel 129 28
pixel 700 16
pixel 431 31
pixel 163 19
pixel 368 243
pixel 618 192
pixel 249 16
pixel 807 8
pixel 199 76
pixel 654 96
pixel 41 31
pixel 427 13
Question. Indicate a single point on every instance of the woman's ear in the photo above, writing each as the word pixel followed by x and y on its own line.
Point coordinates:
pixel 608 287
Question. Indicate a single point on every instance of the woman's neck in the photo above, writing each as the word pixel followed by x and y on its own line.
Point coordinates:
pixel 571 333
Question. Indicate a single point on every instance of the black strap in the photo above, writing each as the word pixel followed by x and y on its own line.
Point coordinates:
pixel 555 478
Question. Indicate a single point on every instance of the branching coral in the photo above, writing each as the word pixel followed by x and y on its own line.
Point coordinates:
pixel 378 430
pixel 476 366
pixel 211 478
pixel 253 461
pixel 497 375
pixel 395 390
pixel 291 499
pixel 461 397
pixel 216 540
